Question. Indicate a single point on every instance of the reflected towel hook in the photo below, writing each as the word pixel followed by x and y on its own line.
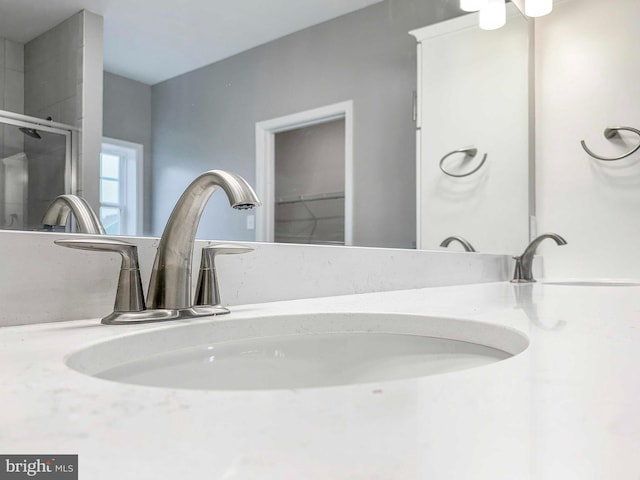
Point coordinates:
pixel 468 152
pixel 609 133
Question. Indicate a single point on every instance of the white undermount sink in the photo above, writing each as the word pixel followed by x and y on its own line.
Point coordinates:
pixel 297 351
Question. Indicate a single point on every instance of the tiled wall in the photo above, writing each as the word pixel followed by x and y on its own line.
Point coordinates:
pixel 53 88
pixel 11 76
pixel 63 80
pixel 11 93
pixel 11 139
pixel 53 73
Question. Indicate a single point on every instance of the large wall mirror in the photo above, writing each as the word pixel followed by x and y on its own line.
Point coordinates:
pixel 189 89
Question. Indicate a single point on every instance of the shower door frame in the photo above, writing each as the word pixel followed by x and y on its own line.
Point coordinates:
pixel 72 167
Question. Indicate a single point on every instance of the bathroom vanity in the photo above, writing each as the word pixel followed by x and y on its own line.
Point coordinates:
pixel 560 407
pixel 359 363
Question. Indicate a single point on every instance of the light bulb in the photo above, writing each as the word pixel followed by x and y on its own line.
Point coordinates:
pixel 472 5
pixel 537 8
pixel 493 15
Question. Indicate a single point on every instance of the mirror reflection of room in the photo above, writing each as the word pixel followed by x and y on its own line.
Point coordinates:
pixel 181 108
pixel 33 169
pixel 40 116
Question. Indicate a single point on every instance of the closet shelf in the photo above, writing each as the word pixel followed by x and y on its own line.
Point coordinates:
pixel 309 198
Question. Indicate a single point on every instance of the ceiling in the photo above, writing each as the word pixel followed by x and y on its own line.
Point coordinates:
pixel 153 40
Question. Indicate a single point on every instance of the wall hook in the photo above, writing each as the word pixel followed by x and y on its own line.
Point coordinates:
pixel 609 133
pixel 468 152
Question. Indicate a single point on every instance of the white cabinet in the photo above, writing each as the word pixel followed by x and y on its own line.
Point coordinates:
pixel 473 90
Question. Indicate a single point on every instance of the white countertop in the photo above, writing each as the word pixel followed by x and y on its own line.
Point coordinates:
pixel 565 408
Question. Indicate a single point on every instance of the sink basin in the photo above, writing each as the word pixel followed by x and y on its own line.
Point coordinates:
pixel 594 283
pixel 297 351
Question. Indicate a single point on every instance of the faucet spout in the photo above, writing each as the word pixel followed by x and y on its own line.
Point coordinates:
pixel 524 262
pixel 58 212
pixel 170 284
pixel 465 244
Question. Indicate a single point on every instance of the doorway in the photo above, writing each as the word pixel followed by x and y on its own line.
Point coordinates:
pixel 309 184
pixel 304 176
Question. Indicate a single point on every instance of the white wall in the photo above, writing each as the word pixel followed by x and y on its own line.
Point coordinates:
pixel 588 78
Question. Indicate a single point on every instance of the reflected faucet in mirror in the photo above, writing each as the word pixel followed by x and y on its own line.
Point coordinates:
pixel 465 244
pixel 523 270
pixel 169 293
pixel 58 212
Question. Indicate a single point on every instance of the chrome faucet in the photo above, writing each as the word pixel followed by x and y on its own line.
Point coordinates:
pixel 465 244
pixel 58 212
pixel 170 284
pixel 522 272
pixel 169 293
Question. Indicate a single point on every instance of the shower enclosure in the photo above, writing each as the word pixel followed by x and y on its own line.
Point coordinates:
pixel 38 162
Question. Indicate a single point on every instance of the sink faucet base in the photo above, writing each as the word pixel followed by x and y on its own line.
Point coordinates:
pixel 162 315
pixel 524 263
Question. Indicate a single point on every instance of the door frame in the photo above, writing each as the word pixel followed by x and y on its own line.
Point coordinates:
pixel 265 162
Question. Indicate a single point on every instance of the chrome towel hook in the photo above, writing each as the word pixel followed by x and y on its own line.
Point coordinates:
pixel 468 152
pixel 609 133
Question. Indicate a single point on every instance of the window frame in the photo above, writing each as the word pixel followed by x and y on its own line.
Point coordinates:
pixel 131 183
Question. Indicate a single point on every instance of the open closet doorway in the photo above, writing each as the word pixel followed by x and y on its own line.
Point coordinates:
pixel 309 184
pixel 304 176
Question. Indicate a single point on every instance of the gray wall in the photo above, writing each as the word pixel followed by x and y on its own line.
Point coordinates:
pixel 206 119
pixel 127 116
pixel 310 160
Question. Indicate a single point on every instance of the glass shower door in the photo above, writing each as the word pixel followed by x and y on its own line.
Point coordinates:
pixel 37 163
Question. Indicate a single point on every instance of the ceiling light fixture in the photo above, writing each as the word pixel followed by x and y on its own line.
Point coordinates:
pixel 472 5
pixel 492 13
pixel 537 8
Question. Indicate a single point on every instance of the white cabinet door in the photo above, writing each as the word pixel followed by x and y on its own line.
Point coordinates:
pixel 473 90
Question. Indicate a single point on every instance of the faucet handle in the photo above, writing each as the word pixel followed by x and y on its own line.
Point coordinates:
pixel 130 295
pixel 207 290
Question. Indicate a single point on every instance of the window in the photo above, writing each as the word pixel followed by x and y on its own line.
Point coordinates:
pixel 120 187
